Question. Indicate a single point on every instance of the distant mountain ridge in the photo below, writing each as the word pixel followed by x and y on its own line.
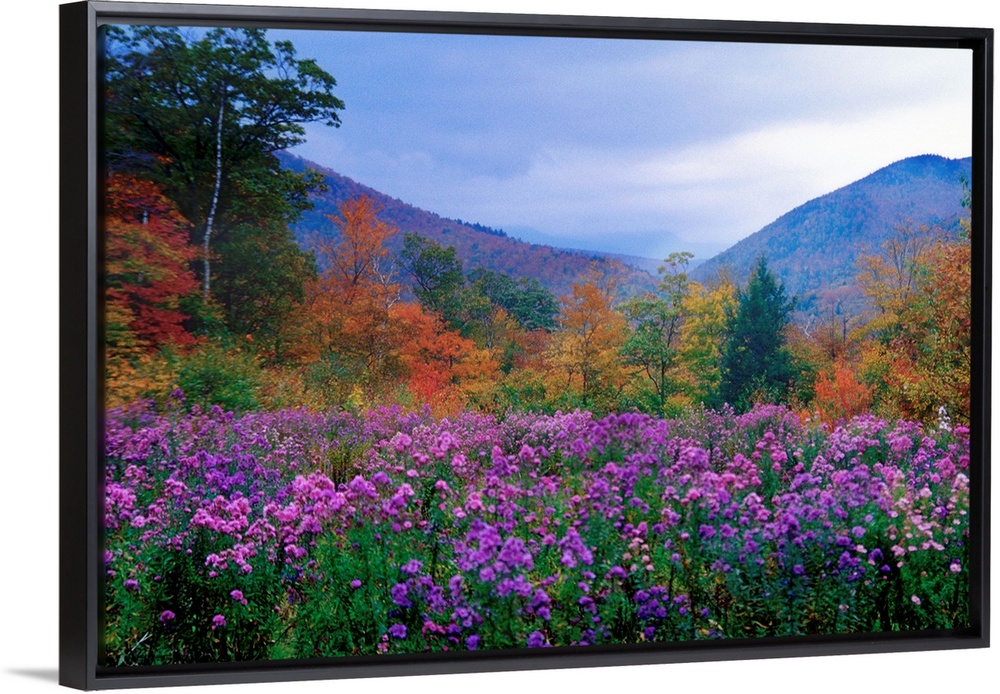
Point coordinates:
pixel 815 247
pixel 477 245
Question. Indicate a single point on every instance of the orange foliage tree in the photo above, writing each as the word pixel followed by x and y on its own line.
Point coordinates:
pixel 147 274
pixel 350 306
pixel 840 395
pixel 585 353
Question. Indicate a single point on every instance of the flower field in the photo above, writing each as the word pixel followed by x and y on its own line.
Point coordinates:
pixel 293 534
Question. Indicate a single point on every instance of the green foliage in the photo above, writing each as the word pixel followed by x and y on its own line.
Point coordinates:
pixel 161 632
pixel 163 96
pixel 331 378
pixel 216 375
pixel 525 299
pixel 656 321
pixel 202 115
pixel 261 282
pixel 437 275
pixel 756 363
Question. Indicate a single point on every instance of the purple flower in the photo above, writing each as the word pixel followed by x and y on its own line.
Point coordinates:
pixel 398 593
pixel 131 584
pixel 798 569
pixel 166 616
pixel 412 567
pixel 397 631
pixel 237 595
pixel 536 639
pixel 472 643
pixel 355 584
pixel 218 621
pixel 707 532
pixel 455 586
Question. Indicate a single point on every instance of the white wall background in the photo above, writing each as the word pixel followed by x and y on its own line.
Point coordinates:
pixel 29 381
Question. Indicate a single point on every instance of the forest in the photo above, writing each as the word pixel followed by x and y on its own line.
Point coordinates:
pixel 521 468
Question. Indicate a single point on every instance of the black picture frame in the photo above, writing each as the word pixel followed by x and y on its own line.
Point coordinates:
pixel 80 346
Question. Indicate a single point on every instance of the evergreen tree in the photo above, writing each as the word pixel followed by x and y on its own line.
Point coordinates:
pixel 756 363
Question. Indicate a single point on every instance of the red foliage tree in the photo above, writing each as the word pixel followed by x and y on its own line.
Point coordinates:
pixel 840 395
pixel 147 262
pixel 445 369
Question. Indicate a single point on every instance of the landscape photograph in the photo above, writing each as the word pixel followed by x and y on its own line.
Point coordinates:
pixel 424 342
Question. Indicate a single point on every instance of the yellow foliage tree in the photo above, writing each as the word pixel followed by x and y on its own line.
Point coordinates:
pixel 705 310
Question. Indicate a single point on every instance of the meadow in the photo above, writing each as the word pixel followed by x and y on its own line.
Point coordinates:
pixel 297 534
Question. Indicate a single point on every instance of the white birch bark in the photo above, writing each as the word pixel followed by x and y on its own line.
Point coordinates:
pixel 206 262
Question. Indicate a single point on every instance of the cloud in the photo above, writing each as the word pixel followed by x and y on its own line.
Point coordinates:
pixel 621 143
pixel 718 190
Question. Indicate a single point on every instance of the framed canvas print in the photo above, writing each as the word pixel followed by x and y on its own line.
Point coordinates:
pixel 400 342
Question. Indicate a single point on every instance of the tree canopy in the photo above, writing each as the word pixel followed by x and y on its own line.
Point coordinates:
pixel 201 115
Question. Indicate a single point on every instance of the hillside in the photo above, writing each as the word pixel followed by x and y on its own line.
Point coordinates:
pixel 477 246
pixel 814 248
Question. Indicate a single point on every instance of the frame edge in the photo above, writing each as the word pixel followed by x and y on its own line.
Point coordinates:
pixel 78 358
pixel 77 343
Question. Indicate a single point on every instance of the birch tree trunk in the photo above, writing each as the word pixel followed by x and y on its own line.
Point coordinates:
pixel 206 261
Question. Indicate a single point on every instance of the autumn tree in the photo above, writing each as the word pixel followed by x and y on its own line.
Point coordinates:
pixel 147 277
pixel 444 369
pixel 147 270
pixel 706 310
pixel 889 278
pixel 351 305
pixel 201 114
pixel 839 394
pixel 918 355
pixel 585 352
pixel 833 327
pixel 756 364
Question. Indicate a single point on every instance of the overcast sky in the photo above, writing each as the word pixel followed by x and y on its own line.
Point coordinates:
pixel 627 146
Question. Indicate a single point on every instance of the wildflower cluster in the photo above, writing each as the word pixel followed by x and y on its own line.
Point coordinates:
pixel 295 534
